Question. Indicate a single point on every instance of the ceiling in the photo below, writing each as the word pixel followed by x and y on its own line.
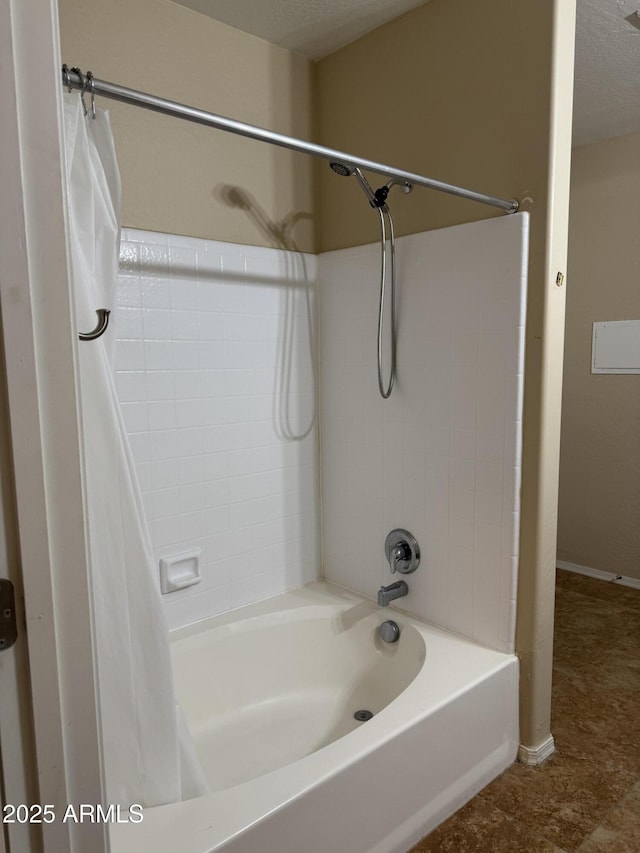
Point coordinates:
pixel 314 28
pixel 607 81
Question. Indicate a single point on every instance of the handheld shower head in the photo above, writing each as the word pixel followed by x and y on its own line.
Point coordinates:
pixel 346 171
pixel 342 169
pixel 377 198
pixel 365 186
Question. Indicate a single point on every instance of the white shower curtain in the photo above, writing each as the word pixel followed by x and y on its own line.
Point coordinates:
pixel 148 753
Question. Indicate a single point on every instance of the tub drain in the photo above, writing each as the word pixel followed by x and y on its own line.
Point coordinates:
pixel 363 716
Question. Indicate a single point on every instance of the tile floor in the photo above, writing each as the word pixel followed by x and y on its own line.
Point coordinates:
pixel 586 797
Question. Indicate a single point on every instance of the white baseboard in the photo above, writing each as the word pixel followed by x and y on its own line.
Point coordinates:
pixel 532 756
pixel 609 577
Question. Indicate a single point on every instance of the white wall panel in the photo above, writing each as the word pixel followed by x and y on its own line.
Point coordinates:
pixel 442 456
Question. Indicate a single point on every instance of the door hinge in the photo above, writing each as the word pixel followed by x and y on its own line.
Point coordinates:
pixel 8 624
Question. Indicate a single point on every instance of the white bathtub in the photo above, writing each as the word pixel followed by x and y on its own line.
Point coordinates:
pixel 269 692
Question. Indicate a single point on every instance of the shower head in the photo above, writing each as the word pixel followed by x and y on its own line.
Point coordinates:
pixel 346 171
pixel 342 169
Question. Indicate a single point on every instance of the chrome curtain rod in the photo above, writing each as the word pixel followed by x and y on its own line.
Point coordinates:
pixel 92 85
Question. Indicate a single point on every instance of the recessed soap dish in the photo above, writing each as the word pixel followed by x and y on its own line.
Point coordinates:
pixel 180 571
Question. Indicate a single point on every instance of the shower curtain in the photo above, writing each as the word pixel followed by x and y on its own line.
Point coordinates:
pixel 147 750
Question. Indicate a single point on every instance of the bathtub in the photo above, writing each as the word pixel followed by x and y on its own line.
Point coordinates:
pixel 270 692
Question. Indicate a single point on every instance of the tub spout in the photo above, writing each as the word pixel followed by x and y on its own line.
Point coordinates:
pixel 387 594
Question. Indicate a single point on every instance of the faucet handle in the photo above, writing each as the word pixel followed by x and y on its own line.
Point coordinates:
pixel 403 551
pixel 400 554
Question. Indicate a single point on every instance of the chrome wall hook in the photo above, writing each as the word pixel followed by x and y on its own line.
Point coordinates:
pixel 100 329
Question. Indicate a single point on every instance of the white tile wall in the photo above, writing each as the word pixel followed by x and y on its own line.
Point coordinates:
pixel 216 376
pixel 215 370
pixel 442 456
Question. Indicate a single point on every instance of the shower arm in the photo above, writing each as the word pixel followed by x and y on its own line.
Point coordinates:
pixel 73 80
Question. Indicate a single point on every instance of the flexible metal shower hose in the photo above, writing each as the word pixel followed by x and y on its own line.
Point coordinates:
pixel 382 211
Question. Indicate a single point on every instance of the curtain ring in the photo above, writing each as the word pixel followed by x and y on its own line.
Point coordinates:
pixel 92 89
pixel 67 78
pixel 83 84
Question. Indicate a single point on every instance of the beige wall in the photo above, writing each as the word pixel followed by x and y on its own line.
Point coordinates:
pixel 483 101
pixel 176 176
pixel 600 458
pixel 428 92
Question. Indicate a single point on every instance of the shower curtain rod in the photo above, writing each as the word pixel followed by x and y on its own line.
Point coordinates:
pixel 91 85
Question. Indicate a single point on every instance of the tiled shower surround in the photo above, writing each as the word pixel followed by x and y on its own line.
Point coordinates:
pixel 215 370
pixel 441 456
pixel 217 378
